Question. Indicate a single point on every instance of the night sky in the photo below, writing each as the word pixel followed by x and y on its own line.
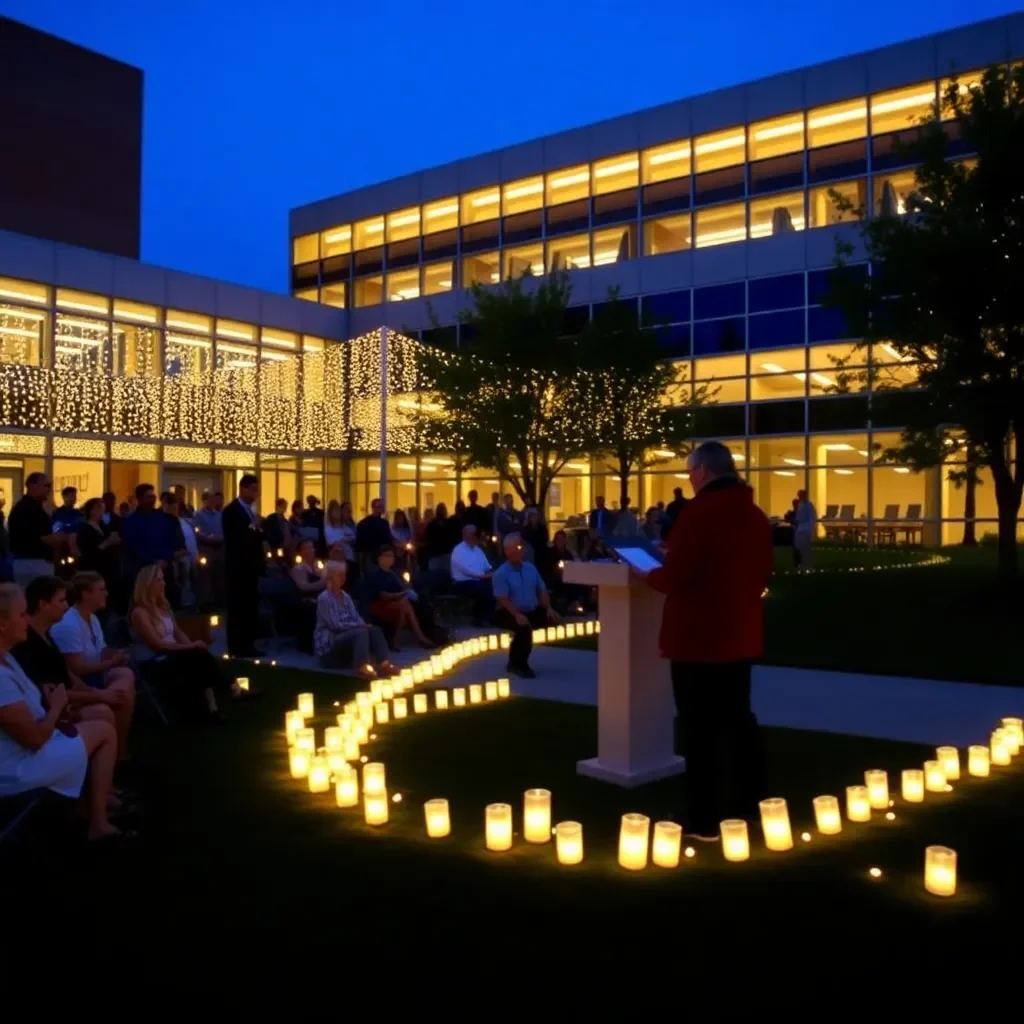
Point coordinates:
pixel 254 107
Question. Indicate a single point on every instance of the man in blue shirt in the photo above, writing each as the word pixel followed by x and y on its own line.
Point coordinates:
pixel 149 536
pixel 523 604
pixel 67 518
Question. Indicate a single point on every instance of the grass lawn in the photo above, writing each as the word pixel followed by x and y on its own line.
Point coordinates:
pixel 247 887
pixel 954 621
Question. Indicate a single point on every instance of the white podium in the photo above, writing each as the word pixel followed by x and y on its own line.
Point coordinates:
pixel 635 707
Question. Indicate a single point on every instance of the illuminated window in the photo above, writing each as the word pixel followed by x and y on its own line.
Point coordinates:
pixel 136 312
pixel 437 277
pixel 616 173
pixel 181 321
pixel 664 162
pixel 838 122
pixel 523 195
pixel 823 208
pixel 307 294
pixel 482 268
pixel 403 224
pixel 336 241
pixel 368 291
pixel 892 368
pixel 369 233
pixel 964 83
pixel 778 374
pixel 482 205
pixel 22 336
pixel 441 215
pixel 838 450
pixel 720 149
pixel 23 291
pixel 787 453
pixel 568 184
pixel 82 301
pixel 187 358
pixel 571 252
pixel 305 248
pixel 334 295
pixel 279 339
pixel 235 358
pixel 837 366
pixel 777 137
pixel 614 244
pixel 80 344
pixel 777 215
pixel 720 224
pixel 527 259
pixel 891 193
pixel 667 234
pixel 726 375
pixel 403 284
pixel 136 351
pixel 236 330
pixel 901 108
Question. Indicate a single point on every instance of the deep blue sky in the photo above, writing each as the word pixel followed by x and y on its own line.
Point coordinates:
pixel 254 107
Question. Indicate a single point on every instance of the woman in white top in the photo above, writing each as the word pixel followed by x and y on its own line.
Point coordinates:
pixel 39 748
pixel 340 530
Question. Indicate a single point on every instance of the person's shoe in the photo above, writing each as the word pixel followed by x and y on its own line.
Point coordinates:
pixel 523 671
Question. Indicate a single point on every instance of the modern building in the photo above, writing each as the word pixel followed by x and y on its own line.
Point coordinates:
pixel 713 216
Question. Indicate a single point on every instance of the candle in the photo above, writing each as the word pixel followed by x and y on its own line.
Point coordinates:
pixel 293 722
pixel 826 815
pixel 214 619
pixel 877 782
pixel 949 759
pixel 735 842
pixel 498 826
pixel 306 705
pixel 298 762
pixel 858 807
pixel 569 842
pixel 538 636
pixel 406 676
pixel 559 632
pixel 351 749
pixel 447 660
pixel 438 822
pixel 319 774
pixel 243 683
pixel 346 786
pixel 375 809
pixel 441 700
pixel 428 671
pixel 376 686
pixel 305 739
pixel 1000 748
pixel 387 691
pixel 476 693
pixel 417 674
pixel 940 870
pixel 666 844
pixel 589 628
pixel 459 696
pixel 360 731
pixel 633 836
pixel 537 815
pixel 506 641
pixel 1015 726
pixel 351 708
pixel 775 824
pixel 978 761
pixel 334 737
pixel 504 688
pixel 475 646
pixel 374 779
pixel 551 634
pixel 1011 739
pixel 491 691
pixel 597 626
pixel 492 642
pixel 934 777
pixel 336 761
pixel 383 712
pixel 401 706
pixel 913 785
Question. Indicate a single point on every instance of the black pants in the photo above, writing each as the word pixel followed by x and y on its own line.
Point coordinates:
pixel 718 734
pixel 187 674
pixel 480 593
pixel 522 636
pixel 243 607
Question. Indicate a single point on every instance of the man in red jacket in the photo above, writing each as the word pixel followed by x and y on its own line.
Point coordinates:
pixel 718 564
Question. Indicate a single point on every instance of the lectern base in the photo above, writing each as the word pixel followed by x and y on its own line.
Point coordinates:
pixel 595 768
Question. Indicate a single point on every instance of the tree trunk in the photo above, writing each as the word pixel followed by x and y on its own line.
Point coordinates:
pixel 624 469
pixel 970 538
pixel 1008 496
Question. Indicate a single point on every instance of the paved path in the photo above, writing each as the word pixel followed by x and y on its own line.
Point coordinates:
pixel 883 707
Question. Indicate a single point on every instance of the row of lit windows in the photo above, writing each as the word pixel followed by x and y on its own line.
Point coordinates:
pixel 820 127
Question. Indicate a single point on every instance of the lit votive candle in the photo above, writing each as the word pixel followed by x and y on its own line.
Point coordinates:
pixel 551 634
pixel 858 807
pixel 1015 726
pixel 387 691
pixel 934 777
pixel 506 641
pixel 589 628
pixel 775 824
pixel 504 688
pixel 877 782
pixel 346 786
pixel 351 749
pixel 569 842
pixel 437 664
pixel 538 636
pixel 417 674
pixel 441 700
pixel 978 761
pixel 243 683
pixel 459 697
pixel 1011 739
pixel 336 760
pixel 406 676
pixel 498 827
pixel 447 660
pixel 419 703
pixel 999 748
pixel 940 870
pixel 361 730
pixel 334 737
pixel 319 774
pixel 376 690
pixel 298 762
pixel 305 739
pixel 827 816
pixel 306 705
pixel 293 722
pixel 634 833
pixel 382 712
pixel 735 841
pixel 351 708
pixel 570 629
pixel 913 785
pixel 428 671
pixel 537 815
pixel 559 632
pixel 666 844
pixel 214 621
pixel 375 809
pixel 492 642
pixel 491 691
pixel 374 779
pixel 949 758
pixel 401 707
pixel 476 693
pixel 597 626
pixel 438 821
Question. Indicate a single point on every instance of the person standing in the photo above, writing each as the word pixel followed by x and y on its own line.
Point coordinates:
pixel 68 518
pixel 718 564
pixel 805 526
pixel 373 532
pixel 243 566
pixel 507 519
pixel 30 529
pixel 672 510
pixel 148 536
pixel 475 515
pixel 601 518
pixel 209 525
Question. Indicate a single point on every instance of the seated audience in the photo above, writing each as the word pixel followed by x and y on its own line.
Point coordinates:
pixel 340 530
pixel 651 526
pixel 401 531
pixel 471 575
pixel 309 580
pixel 394 603
pixel 341 637
pixel 186 666
pixel 566 593
pixel 79 637
pixel 295 519
pixel 534 537
pixel 39 747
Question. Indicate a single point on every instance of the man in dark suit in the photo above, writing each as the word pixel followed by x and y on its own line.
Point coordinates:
pixel 675 506
pixel 243 566
pixel 602 519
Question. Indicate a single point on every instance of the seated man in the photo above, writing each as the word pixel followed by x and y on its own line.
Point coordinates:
pixel 523 604
pixel 471 575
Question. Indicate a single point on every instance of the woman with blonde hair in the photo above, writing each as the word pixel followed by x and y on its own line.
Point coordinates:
pixel 185 665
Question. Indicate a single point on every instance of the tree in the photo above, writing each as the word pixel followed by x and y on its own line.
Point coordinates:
pixel 641 404
pixel 945 295
pixel 514 398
